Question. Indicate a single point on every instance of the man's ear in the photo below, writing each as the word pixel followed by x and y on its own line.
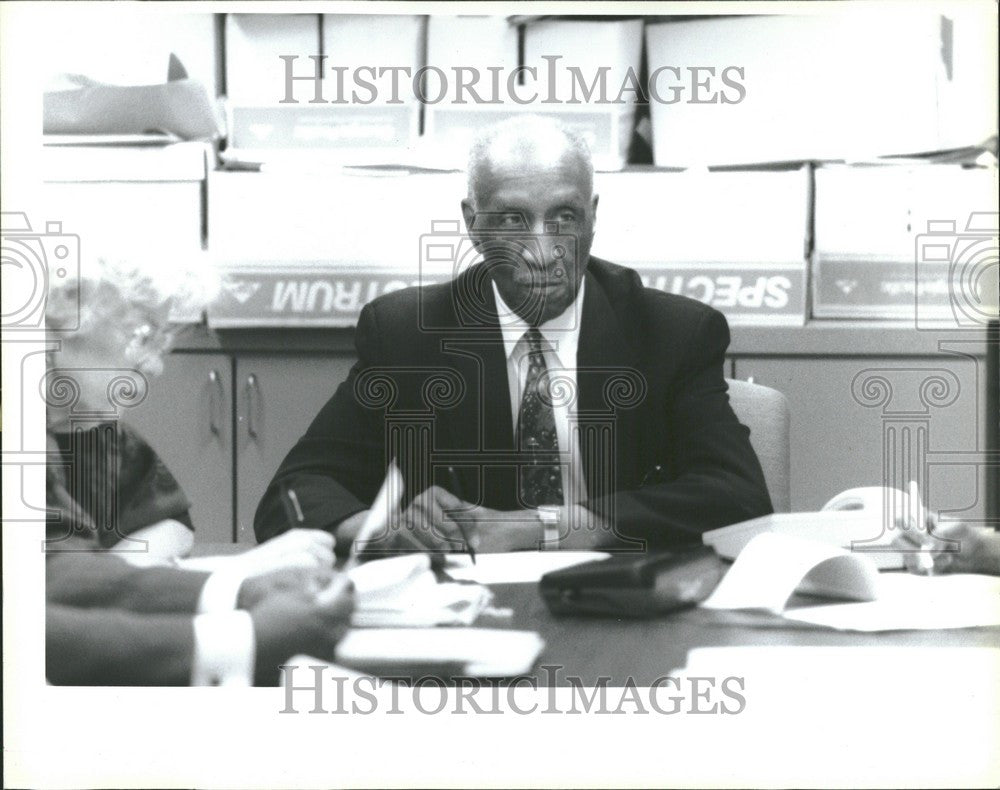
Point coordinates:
pixel 468 213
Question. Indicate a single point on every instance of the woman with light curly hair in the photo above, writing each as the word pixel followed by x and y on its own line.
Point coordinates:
pixel 114 505
pixel 112 327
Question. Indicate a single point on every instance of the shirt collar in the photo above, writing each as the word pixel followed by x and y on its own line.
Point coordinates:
pixel 561 332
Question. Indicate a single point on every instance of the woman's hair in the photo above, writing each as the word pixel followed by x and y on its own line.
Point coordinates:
pixel 110 287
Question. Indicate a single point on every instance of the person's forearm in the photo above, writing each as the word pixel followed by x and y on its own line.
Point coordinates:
pixel 167 539
pixel 678 512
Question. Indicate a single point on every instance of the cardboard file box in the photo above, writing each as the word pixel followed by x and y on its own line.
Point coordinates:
pixel 352 124
pixel 255 72
pixel 312 250
pixel 734 240
pixel 141 199
pixel 592 63
pixel 127 201
pixel 449 130
pixel 909 242
pixel 847 84
pixel 469 42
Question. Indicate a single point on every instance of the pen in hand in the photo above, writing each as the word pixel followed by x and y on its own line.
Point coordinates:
pixel 918 521
pixel 293 510
pixel 456 489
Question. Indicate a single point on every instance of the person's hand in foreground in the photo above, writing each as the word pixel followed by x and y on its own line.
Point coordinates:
pixel 297 548
pixel 288 622
pixel 949 548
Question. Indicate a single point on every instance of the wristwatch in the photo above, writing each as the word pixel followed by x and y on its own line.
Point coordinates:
pixel 550 517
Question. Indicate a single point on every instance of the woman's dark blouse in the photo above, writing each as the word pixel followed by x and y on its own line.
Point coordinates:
pixel 106 484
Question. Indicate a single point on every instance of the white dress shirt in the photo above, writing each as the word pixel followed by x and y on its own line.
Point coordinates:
pixel 561 340
pixel 224 643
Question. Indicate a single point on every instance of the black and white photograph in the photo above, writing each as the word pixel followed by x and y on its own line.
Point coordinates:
pixel 540 394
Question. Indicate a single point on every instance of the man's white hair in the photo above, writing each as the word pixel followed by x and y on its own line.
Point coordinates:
pixel 527 137
pixel 111 286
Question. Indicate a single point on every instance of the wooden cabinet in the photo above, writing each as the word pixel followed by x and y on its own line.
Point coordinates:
pixel 187 418
pixel 276 399
pixel 868 421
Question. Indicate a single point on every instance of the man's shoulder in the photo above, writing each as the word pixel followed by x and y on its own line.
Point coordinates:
pixel 405 304
pixel 628 295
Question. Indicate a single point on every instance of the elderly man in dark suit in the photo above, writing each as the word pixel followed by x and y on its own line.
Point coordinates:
pixel 541 398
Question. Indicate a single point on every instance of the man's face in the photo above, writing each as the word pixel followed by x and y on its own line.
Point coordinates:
pixel 534 225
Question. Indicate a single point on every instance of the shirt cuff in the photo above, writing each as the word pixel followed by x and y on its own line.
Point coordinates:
pixel 224 650
pixel 221 591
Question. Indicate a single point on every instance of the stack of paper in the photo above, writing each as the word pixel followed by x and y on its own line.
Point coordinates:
pixel 772 566
pixel 483 652
pixel 403 591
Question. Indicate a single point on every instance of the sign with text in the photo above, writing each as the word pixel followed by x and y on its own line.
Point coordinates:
pixel 863 288
pixel 333 295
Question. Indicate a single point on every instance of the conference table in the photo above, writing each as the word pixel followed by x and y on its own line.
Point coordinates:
pixel 640 651
pixel 646 649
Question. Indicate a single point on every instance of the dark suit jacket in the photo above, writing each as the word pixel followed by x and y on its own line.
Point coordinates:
pixel 109 623
pixel 664 456
pixel 105 580
pixel 109 647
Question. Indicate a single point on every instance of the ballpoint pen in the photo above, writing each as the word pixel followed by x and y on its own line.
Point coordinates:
pixel 293 510
pixel 378 518
pixel 456 489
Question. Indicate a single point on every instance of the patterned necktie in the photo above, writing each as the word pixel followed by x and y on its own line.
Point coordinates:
pixel 540 474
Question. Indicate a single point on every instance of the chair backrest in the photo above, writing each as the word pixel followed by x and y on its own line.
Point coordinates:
pixel 765 412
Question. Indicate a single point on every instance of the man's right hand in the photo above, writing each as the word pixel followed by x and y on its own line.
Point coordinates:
pixel 289 622
pixel 429 524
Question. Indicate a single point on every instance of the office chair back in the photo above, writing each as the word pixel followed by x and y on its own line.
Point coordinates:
pixel 765 412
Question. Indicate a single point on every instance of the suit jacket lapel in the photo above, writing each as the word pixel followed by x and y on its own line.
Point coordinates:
pixel 477 348
pixel 482 421
pixel 604 353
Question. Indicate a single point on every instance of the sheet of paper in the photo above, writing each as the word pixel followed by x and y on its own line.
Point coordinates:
pixel 481 651
pixel 771 567
pixel 906 601
pixel 403 592
pixel 516 566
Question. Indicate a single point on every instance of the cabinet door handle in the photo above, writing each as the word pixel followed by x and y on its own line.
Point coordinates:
pixel 253 396
pixel 216 395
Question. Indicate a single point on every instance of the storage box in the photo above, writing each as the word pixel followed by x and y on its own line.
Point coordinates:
pixel 592 64
pixel 450 130
pixel 351 123
pixel 873 257
pixel 851 84
pixel 734 240
pixel 128 199
pixel 255 72
pixel 370 42
pixel 473 42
